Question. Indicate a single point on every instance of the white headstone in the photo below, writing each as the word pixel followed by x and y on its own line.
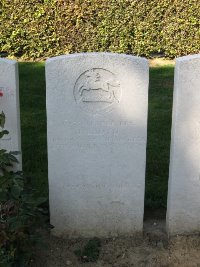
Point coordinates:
pixel 183 210
pixel 9 104
pixel 97 126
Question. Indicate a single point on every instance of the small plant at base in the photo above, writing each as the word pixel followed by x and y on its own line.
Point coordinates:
pixel 20 213
pixel 90 253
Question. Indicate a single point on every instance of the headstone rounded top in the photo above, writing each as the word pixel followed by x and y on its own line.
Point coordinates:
pixel 8 61
pixel 188 58
pixel 95 54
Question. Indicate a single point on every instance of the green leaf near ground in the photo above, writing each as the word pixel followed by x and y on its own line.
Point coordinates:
pixel 90 252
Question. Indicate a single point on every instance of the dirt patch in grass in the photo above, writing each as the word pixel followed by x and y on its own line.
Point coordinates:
pixel 153 249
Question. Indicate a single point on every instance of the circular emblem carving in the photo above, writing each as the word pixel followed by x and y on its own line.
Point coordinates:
pixel 97 89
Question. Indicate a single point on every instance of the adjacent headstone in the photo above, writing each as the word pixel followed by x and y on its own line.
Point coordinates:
pixel 97 126
pixel 9 104
pixel 183 210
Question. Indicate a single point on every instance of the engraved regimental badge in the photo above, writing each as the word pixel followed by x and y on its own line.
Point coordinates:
pixel 97 89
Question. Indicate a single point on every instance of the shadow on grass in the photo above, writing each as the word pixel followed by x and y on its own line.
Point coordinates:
pixel 159 135
pixel 33 124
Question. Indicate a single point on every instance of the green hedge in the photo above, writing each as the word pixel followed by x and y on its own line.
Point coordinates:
pixel 38 29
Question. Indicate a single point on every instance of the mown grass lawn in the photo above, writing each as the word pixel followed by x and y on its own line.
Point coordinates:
pixel 159 135
pixel 33 124
pixel 33 128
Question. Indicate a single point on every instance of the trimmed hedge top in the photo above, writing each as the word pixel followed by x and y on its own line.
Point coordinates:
pixel 42 28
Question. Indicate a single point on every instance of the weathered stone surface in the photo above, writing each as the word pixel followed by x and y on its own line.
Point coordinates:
pixel 97 124
pixel 183 214
pixel 9 104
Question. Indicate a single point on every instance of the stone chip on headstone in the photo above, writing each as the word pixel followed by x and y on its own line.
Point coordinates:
pixel 97 128
pixel 9 104
pixel 183 209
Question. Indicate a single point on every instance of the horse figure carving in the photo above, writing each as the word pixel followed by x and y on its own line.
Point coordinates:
pixel 94 82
